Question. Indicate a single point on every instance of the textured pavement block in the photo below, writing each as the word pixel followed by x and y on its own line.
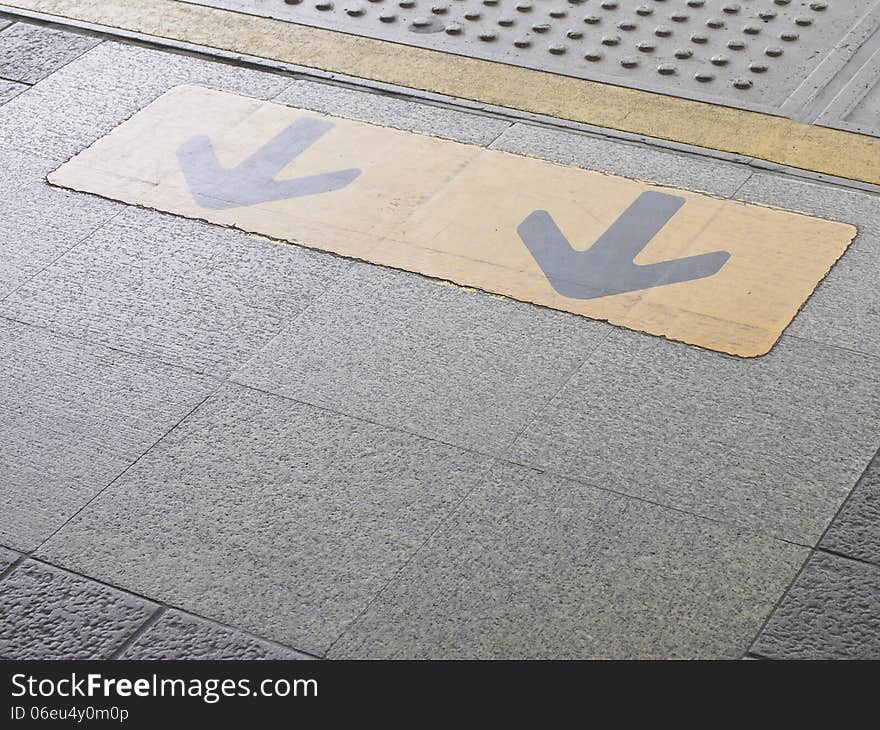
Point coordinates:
pixel 86 99
pixel 4 23
pixel 533 566
pixel 457 365
pixel 391 112
pixel 74 416
pixel 29 53
pixel 845 308
pixel 774 443
pixel 831 612
pixel 641 162
pixel 47 613
pixel 272 516
pixel 189 293
pixel 10 89
pixel 177 635
pixel 7 558
pixel 855 531
pixel 38 223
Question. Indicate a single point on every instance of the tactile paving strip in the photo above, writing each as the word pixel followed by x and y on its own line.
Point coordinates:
pixel 752 54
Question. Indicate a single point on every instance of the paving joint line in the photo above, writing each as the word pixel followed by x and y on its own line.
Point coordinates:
pixel 813 550
pixel 145 626
pixel 160 604
pixel 393 579
pixel 127 468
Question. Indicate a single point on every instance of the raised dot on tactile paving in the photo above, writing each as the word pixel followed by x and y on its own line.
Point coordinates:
pixel 628 62
pixel 803 22
pixel 644 10
pixel 742 83
pixel 407 3
pixel 703 76
pixel 593 55
pixel 679 17
pixel 505 22
pixel 611 40
pixel 715 23
pixel 773 52
pixel 626 25
pixel 522 43
pixel 541 28
pixel 696 3
pixel 666 69
pixel 818 7
pixel 387 17
pixel 453 29
pixel 719 60
pixel 683 53
pixel 609 5
pixel 789 36
pixel 487 36
pixel 557 49
pixel 663 31
pixel 767 15
pixel 473 15
pixel 524 7
pixel 699 38
pixel 324 5
pixel 439 9
pixel 574 34
pixel 751 30
pixel 731 8
pixel 645 47
pixel 735 45
pixel 592 20
pixel 293 2
pixel 557 13
pixel 355 10
pixel 757 68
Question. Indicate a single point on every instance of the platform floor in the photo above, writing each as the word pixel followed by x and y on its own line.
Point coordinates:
pixel 219 445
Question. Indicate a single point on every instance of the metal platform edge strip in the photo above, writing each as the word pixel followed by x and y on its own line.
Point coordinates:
pixel 778 140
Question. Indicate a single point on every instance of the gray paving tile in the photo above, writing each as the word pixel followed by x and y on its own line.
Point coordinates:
pixel 178 635
pixel 29 53
pixel 38 223
pixel 10 89
pixel 4 23
pixel 533 566
pixel 457 365
pixel 83 101
pixel 47 613
pixel 391 112
pixel 845 308
pixel 773 443
pixel 641 162
pixel 855 532
pixel 190 293
pixel 72 417
pixel 275 517
pixel 831 612
pixel 7 558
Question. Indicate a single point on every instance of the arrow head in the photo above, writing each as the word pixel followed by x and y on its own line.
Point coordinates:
pixel 607 267
pixel 253 181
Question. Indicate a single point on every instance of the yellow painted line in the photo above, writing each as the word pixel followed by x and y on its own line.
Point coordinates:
pixel 477 217
pixel 767 137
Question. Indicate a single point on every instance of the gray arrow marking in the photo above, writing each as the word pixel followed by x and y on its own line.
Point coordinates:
pixel 607 266
pixel 216 187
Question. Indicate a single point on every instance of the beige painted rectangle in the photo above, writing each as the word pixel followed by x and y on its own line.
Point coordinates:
pixel 451 211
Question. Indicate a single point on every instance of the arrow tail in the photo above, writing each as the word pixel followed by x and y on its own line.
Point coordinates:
pixel 272 157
